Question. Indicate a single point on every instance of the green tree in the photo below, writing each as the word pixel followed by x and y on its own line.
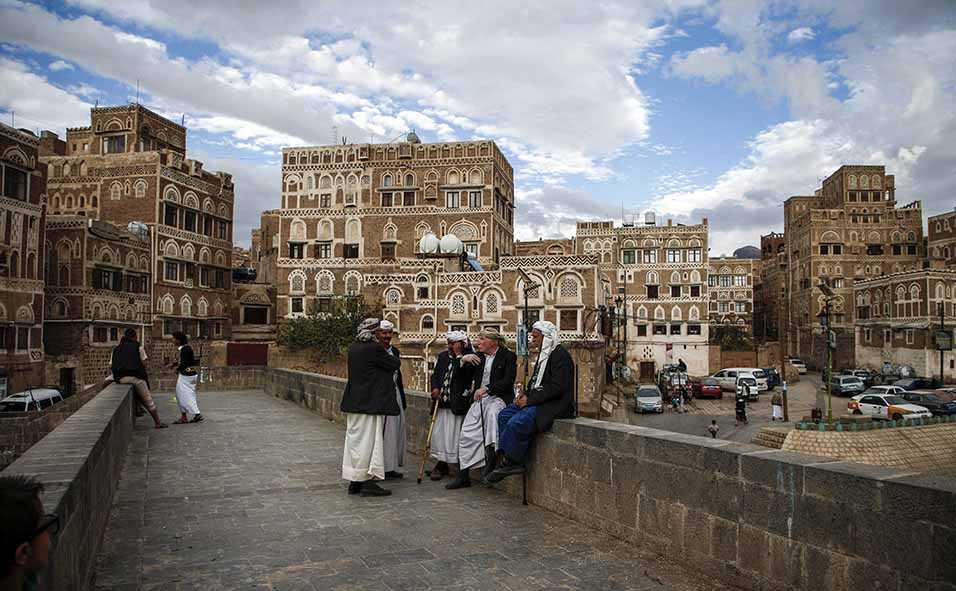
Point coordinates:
pixel 731 338
pixel 329 332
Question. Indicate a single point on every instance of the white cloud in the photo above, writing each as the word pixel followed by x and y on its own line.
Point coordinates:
pixel 60 65
pixel 35 101
pixel 800 35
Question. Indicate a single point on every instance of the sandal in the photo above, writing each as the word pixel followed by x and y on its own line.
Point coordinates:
pixel 198 419
pixel 161 426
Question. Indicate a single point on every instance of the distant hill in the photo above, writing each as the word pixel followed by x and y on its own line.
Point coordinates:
pixel 747 252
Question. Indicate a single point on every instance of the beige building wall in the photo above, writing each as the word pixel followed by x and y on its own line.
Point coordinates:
pixel 730 282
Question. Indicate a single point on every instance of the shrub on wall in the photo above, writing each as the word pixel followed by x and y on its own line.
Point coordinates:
pixel 731 338
pixel 330 330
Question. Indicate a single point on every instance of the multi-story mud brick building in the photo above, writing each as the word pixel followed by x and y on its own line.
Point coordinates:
pixel 850 230
pixel 23 205
pixel 898 316
pixel 941 247
pixel 731 284
pixel 770 298
pixel 130 165
pixel 98 278
pixel 657 275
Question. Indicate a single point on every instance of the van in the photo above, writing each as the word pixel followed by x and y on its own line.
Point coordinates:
pixel 727 378
pixel 34 399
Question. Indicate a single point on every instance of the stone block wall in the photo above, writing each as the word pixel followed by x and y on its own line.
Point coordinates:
pixel 740 513
pixel 79 464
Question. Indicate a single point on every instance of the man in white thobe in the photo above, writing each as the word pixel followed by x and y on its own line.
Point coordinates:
pixel 368 399
pixel 494 389
pixel 394 425
pixel 451 382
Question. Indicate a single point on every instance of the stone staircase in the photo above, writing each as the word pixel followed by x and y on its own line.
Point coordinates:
pixel 772 437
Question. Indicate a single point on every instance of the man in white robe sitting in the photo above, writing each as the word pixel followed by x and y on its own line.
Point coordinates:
pixel 493 385
pixel 451 390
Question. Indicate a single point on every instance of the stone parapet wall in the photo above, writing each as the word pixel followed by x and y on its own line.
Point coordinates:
pixel 740 513
pixel 79 465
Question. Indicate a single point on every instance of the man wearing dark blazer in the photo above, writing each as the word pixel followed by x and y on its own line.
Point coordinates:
pixel 369 397
pixel 548 396
pixel 495 370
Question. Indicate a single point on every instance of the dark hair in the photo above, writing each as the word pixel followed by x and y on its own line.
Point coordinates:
pixel 181 337
pixel 19 513
pixel 129 334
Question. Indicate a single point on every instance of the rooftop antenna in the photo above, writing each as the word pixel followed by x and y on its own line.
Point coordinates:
pixel 13 118
pixel 183 124
pixel 137 91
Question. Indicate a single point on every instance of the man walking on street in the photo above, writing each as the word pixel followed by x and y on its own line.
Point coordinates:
pixel 369 397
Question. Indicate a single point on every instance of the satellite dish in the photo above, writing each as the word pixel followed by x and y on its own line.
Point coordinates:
pixel 450 244
pixel 428 244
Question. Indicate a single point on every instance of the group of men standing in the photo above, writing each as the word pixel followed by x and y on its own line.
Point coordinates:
pixel 483 420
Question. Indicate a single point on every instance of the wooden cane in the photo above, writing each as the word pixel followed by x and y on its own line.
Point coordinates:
pixel 428 444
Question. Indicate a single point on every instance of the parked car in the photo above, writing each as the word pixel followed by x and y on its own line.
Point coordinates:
pixel 870 378
pixel 648 399
pixel 886 406
pixel 880 390
pixel 35 399
pixel 727 378
pixel 846 385
pixel 916 383
pixel 947 394
pixel 936 405
pixel 707 388
pixel 800 365
pixel 773 377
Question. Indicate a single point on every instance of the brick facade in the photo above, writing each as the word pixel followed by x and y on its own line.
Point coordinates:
pixel 850 230
pixel 130 165
pixel 941 247
pixel 730 282
pixel 97 284
pixel 23 208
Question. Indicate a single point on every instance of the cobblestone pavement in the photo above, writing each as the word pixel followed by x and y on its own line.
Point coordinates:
pixel 253 499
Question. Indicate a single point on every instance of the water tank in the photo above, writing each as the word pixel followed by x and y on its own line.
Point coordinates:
pixel 450 244
pixel 650 219
pixel 428 244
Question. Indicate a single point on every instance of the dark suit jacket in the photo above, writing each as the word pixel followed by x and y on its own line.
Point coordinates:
pixel 461 382
pixel 555 397
pixel 504 369
pixel 370 389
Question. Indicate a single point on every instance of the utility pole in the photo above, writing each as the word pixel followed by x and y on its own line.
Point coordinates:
pixel 942 329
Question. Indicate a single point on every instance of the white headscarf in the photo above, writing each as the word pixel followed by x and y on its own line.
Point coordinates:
pixel 455 335
pixel 366 330
pixel 386 325
pixel 548 343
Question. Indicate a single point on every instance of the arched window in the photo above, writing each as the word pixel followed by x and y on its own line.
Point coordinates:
pixel 428 323
pixel 353 283
pixel 492 305
pixel 393 297
pixel 139 189
pixel 116 191
pixel 409 180
pixel 694 313
pixel 676 313
pixel 297 282
pixel 652 278
pixel 459 305
pixel 386 180
pixel 297 230
pixel 202 307
pixel 324 281
pixel 569 289
pixel 186 306
pixel 659 313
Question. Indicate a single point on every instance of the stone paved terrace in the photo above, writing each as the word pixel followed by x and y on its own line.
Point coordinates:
pixel 253 499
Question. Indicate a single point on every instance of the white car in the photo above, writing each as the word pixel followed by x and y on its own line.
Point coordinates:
pixel 880 390
pixel 648 399
pixel 727 378
pixel 35 399
pixel 886 406
pixel 801 366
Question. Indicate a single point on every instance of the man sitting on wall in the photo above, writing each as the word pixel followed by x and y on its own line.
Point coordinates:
pixel 451 391
pixel 496 368
pixel 128 367
pixel 549 397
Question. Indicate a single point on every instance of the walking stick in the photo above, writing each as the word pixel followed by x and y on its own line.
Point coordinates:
pixel 428 444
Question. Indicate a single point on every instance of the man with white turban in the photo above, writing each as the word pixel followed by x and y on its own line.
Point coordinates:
pixel 495 371
pixel 548 396
pixel 394 425
pixel 451 391
pixel 369 397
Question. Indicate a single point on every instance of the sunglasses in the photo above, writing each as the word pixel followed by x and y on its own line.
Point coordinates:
pixel 51 523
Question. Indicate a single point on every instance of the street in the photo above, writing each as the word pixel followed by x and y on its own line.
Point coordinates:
pixel 801 397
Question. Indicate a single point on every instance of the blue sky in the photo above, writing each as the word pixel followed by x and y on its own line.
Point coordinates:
pixel 690 109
